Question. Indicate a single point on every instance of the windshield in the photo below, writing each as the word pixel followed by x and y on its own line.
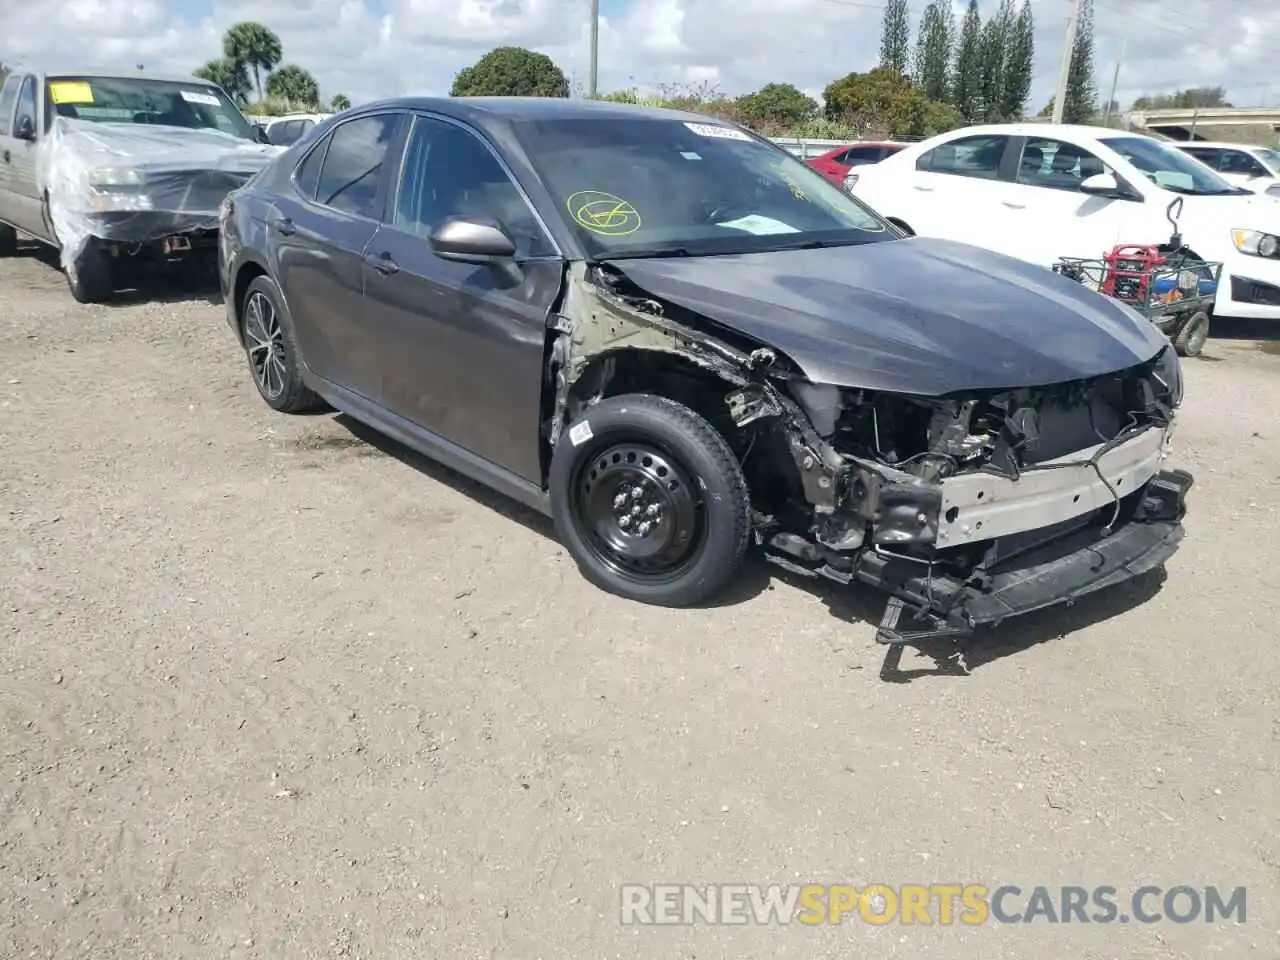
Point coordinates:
pixel 1271 158
pixel 1169 167
pixel 194 105
pixel 646 187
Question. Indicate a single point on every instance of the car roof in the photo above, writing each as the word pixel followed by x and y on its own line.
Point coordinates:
pixel 118 73
pixel 1070 130
pixel 511 109
pixel 1219 145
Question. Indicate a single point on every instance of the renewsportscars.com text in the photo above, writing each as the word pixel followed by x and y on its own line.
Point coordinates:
pixel 927 904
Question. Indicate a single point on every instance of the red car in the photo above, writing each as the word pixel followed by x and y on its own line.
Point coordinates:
pixel 834 164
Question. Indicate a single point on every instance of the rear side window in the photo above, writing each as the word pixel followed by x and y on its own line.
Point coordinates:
pixel 8 96
pixel 352 170
pixel 307 176
pixel 862 155
pixel 977 157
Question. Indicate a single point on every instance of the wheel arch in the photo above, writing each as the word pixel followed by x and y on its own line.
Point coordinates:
pixel 248 270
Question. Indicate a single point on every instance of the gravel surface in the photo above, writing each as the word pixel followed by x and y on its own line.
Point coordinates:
pixel 272 687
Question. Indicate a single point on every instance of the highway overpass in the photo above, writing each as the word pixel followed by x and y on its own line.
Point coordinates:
pixel 1260 125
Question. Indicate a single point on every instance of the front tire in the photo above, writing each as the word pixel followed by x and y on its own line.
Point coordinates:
pixel 650 501
pixel 272 350
pixel 8 240
pixel 90 276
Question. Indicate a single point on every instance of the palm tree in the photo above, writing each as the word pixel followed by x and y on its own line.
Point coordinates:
pixel 339 103
pixel 294 85
pixel 252 46
pixel 228 75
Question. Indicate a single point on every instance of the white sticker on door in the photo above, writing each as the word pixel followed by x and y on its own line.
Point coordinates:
pixel 580 433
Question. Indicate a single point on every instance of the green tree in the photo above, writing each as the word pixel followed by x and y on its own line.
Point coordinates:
pixel 776 106
pixel 966 80
pixel 253 47
pixel 996 38
pixel 339 102
pixel 1019 65
pixel 295 85
pixel 933 50
pixel 885 103
pixel 1184 99
pixel 1081 102
pixel 511 72
pixel 895 37
pixel 228 75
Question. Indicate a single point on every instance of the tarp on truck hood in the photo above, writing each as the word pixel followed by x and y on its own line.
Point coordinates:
pixel 137 182
pixel 919 316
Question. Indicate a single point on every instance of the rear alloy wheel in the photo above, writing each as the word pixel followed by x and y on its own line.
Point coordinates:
pixel 272 351
pixel 650 501
pixel 90 276
pixel 1190 340
pixel 8 240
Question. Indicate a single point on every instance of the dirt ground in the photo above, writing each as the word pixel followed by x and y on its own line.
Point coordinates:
pixel 271 687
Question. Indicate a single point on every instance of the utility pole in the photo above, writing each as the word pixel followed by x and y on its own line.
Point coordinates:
pixel 1115 81
pixel 1060 99
pixel 593 81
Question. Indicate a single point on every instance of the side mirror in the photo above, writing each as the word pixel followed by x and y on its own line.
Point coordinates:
pixel 25 128
pixel 1101 185
pixel 471 241
pixel 260 134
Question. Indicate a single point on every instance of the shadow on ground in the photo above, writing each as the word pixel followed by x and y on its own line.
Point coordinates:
pixel 195 281
pixel 851 604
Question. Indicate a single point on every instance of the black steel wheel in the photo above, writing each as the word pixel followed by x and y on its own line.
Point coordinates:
pixel 90 273
pixel 1192 335
pixel 272 351
pixel 650 501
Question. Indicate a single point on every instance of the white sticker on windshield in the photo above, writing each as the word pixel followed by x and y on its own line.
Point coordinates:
pixel 1176 181
pixel 208 99
pixel 717 131
pixel 760 226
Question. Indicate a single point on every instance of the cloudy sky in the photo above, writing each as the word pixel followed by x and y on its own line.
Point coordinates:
pixel 372 48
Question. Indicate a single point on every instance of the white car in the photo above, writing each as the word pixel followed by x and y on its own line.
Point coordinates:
pixel 1042 191
pixel 1254 168
pixel 289 129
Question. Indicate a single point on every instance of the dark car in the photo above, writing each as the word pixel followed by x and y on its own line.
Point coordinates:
pixel 676 339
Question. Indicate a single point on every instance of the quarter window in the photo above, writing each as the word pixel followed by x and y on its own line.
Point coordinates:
pixel 307 176
pixel 978 157
pixel 1056 164
pixel 449 172
pixel 352 168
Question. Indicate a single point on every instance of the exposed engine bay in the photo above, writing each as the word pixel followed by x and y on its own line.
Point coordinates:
pixel 966 508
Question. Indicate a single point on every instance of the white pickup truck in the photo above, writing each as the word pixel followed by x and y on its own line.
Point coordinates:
pixel 108 165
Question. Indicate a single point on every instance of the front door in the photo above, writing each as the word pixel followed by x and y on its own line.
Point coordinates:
pixel 463 345
pixel 321 231
pixel 23 202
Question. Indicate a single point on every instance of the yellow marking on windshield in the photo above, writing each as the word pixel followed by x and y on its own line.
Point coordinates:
pixel 603 213
pixel 797 191
pixel 71 91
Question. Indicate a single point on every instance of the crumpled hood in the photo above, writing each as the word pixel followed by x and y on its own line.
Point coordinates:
pixel 154 149
pixel 920 316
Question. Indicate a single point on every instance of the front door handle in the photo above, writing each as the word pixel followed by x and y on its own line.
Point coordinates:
pixel 383 263
pixel 6 156
pixel 923 189
pixel 1014 206
pixel 285 226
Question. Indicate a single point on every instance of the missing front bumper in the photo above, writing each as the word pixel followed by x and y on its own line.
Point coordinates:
pixel 926 604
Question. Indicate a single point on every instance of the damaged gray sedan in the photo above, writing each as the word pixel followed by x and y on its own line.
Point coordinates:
pixel 676 339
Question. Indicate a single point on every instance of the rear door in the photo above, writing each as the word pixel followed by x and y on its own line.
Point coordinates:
pixel 24 208
pixel 956 192
pixel 463 344
pixel 320 232
pixel 8 101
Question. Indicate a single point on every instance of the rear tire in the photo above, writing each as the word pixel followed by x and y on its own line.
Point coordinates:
pixel 650 501
pixel 8 240
pixel 272 350
pixel 91 276
pixel 1191 337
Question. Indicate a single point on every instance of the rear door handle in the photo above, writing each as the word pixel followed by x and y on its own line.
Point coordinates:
pixel 383 263
pixel 6 156
pixel 1014 206
pixel 286 227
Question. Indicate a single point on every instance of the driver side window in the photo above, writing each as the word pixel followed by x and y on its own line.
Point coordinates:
pixel 449 172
